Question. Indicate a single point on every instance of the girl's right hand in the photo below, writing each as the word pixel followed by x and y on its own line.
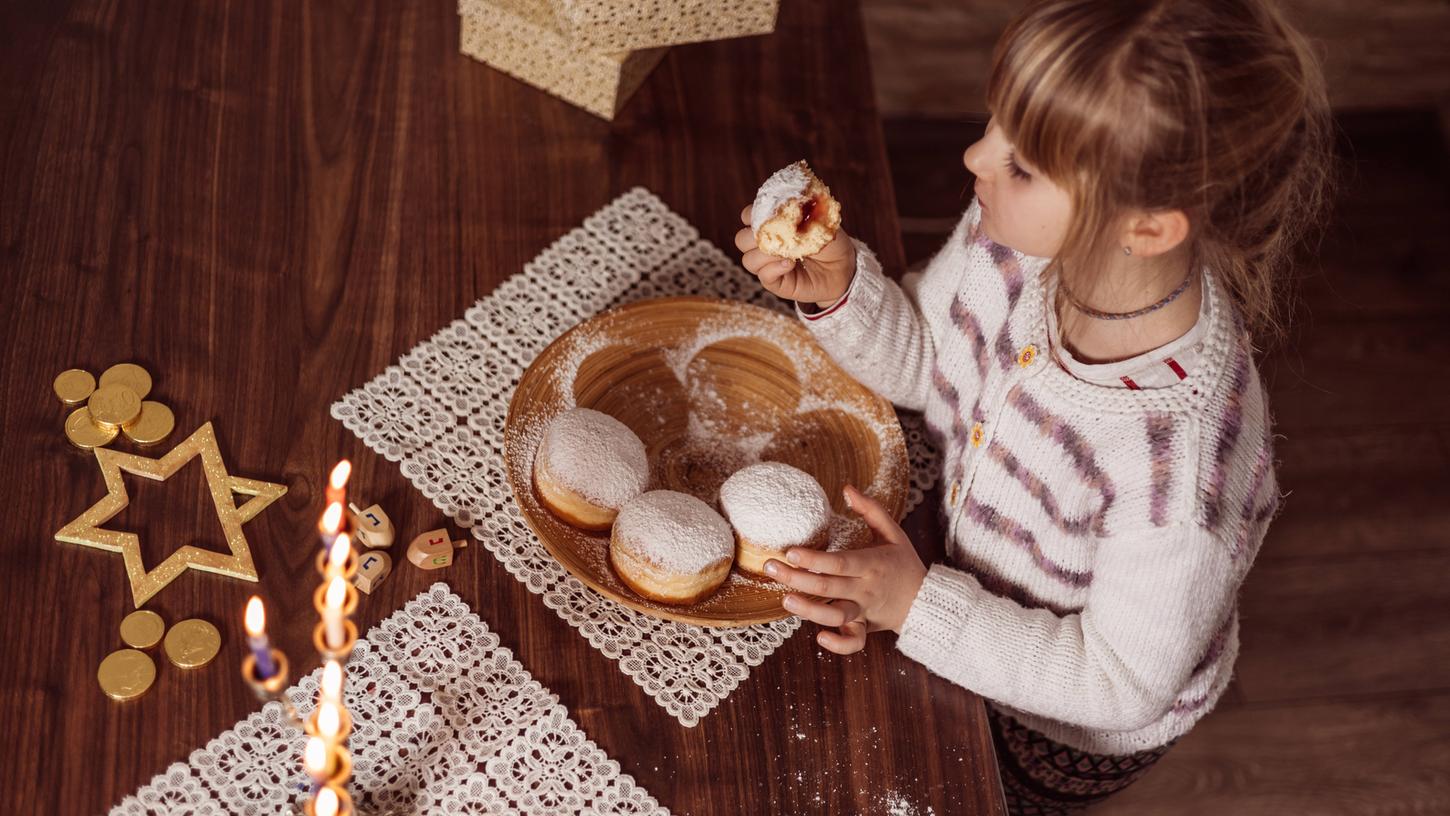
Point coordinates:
pixel 821 278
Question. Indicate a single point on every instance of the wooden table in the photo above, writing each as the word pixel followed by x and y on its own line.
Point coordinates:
pixel 267 204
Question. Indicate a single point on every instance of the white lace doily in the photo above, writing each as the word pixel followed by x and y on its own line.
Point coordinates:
pixel 439 412
pixel 445 721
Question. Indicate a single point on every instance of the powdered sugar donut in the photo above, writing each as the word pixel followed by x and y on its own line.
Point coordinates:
pixel 794 214
pixel 671 547
pixel 589 464
pixel 774 507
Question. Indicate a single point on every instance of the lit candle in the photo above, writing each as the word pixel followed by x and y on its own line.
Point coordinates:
pixel 256 624
pixel 317 759
pixel 325 803
pixel 332 603
pixel 337 482
pixel 329 721
pixel 337 556
pixel 329 524
pixel 332 682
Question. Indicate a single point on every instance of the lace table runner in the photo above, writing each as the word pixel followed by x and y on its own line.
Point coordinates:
pixel 439 412
pixel 445 721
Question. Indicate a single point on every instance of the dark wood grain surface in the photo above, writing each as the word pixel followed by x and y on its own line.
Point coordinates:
pixel 267 203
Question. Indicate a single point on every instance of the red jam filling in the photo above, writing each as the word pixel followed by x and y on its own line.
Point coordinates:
pixel 808 210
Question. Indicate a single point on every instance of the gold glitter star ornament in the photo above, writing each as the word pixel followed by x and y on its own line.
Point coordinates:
pixel 86 528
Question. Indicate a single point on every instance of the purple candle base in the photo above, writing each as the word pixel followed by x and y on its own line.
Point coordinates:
pixel 262 651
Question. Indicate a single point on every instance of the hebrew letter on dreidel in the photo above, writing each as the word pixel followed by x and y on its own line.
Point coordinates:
pixel 374 528
pixel 372 568
pixel 431 550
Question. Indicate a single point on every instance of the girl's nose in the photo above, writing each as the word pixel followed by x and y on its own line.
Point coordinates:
pixel 972 159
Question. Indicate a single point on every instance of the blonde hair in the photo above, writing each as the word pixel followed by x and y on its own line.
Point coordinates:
pixel 1217 109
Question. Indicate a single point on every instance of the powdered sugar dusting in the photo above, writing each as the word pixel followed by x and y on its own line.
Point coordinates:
pixel 784 184
pixel 743 326
pixel 567 369
pixel 888 467
pixel 775 505
pixel 595 455
pixel 702 425
pixel 674 530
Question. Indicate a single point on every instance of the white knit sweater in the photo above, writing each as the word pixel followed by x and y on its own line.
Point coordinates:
pixel 1097 536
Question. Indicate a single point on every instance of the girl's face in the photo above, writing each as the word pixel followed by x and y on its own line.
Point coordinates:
pixel 1021 208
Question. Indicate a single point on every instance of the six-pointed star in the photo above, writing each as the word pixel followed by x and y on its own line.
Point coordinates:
pixel 86 528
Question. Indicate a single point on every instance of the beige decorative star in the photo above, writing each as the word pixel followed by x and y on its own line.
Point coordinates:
pixel 86 528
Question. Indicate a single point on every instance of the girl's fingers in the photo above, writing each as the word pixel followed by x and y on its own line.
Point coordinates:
pixel 875 516
pixel 745 240
pixel 837 563
pixel 745 214
pixel 764 265
pixel 849 640
pixel 835 613
pixel 828 586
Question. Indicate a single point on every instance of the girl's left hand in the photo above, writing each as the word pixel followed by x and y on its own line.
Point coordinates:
pixel 871 589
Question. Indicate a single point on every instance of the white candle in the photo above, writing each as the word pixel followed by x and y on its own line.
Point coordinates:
pixel 316 758
pixel 337 555
pixel 332 603
pixel 332 682
pixel 325 803
pixel 329 721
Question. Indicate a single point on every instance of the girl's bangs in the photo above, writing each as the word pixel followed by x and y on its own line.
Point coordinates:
pixel 1043 93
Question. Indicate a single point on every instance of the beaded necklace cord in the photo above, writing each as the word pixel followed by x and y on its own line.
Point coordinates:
pixel 1101 315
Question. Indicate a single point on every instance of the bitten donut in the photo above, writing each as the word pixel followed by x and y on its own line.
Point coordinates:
pixel 794 214
pixel 774 507
pixel 671 547
pixel 588 466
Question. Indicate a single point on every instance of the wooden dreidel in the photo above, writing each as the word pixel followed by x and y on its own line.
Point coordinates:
pixel 372 568
pixel 433 550
pixel 372 526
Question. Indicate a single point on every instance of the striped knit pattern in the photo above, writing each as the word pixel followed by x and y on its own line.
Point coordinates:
pixel 1042 493
pixel 1079 452
pixel 1160 441
pixel 1097 535
pixel 1010 530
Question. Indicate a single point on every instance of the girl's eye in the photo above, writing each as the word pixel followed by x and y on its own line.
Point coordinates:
pixel 1016 169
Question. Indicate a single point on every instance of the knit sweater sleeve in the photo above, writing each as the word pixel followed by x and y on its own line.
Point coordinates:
pixel 1155 601
pixel 878 335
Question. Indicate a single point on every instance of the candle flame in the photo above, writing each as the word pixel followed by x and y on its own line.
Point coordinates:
pixel 314 756
pixel 338 479
pixel 332 680
pixel 336 593
pixel 341 549
pixel 331 519
pixel 329 720
pixel 325 804
pixel 256 617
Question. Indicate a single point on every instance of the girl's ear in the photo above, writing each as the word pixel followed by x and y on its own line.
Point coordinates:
pixel 1153 233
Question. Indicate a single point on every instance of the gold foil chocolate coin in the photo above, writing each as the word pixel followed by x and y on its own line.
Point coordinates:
pixel 192 643
pixel 155 424
pixel 130 375
pixel 74 385
pixel 114 405
pixel 126 674
pixel 142 629
pixel 85 434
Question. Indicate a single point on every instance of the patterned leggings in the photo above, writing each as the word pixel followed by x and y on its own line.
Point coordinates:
pixel 1045 778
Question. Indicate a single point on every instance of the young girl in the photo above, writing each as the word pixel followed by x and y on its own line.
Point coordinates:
pixel 1081 347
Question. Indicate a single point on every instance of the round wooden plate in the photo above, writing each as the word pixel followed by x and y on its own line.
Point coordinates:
pixel 709 386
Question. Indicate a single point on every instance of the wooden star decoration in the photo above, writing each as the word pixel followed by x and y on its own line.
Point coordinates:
pixel 86 528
